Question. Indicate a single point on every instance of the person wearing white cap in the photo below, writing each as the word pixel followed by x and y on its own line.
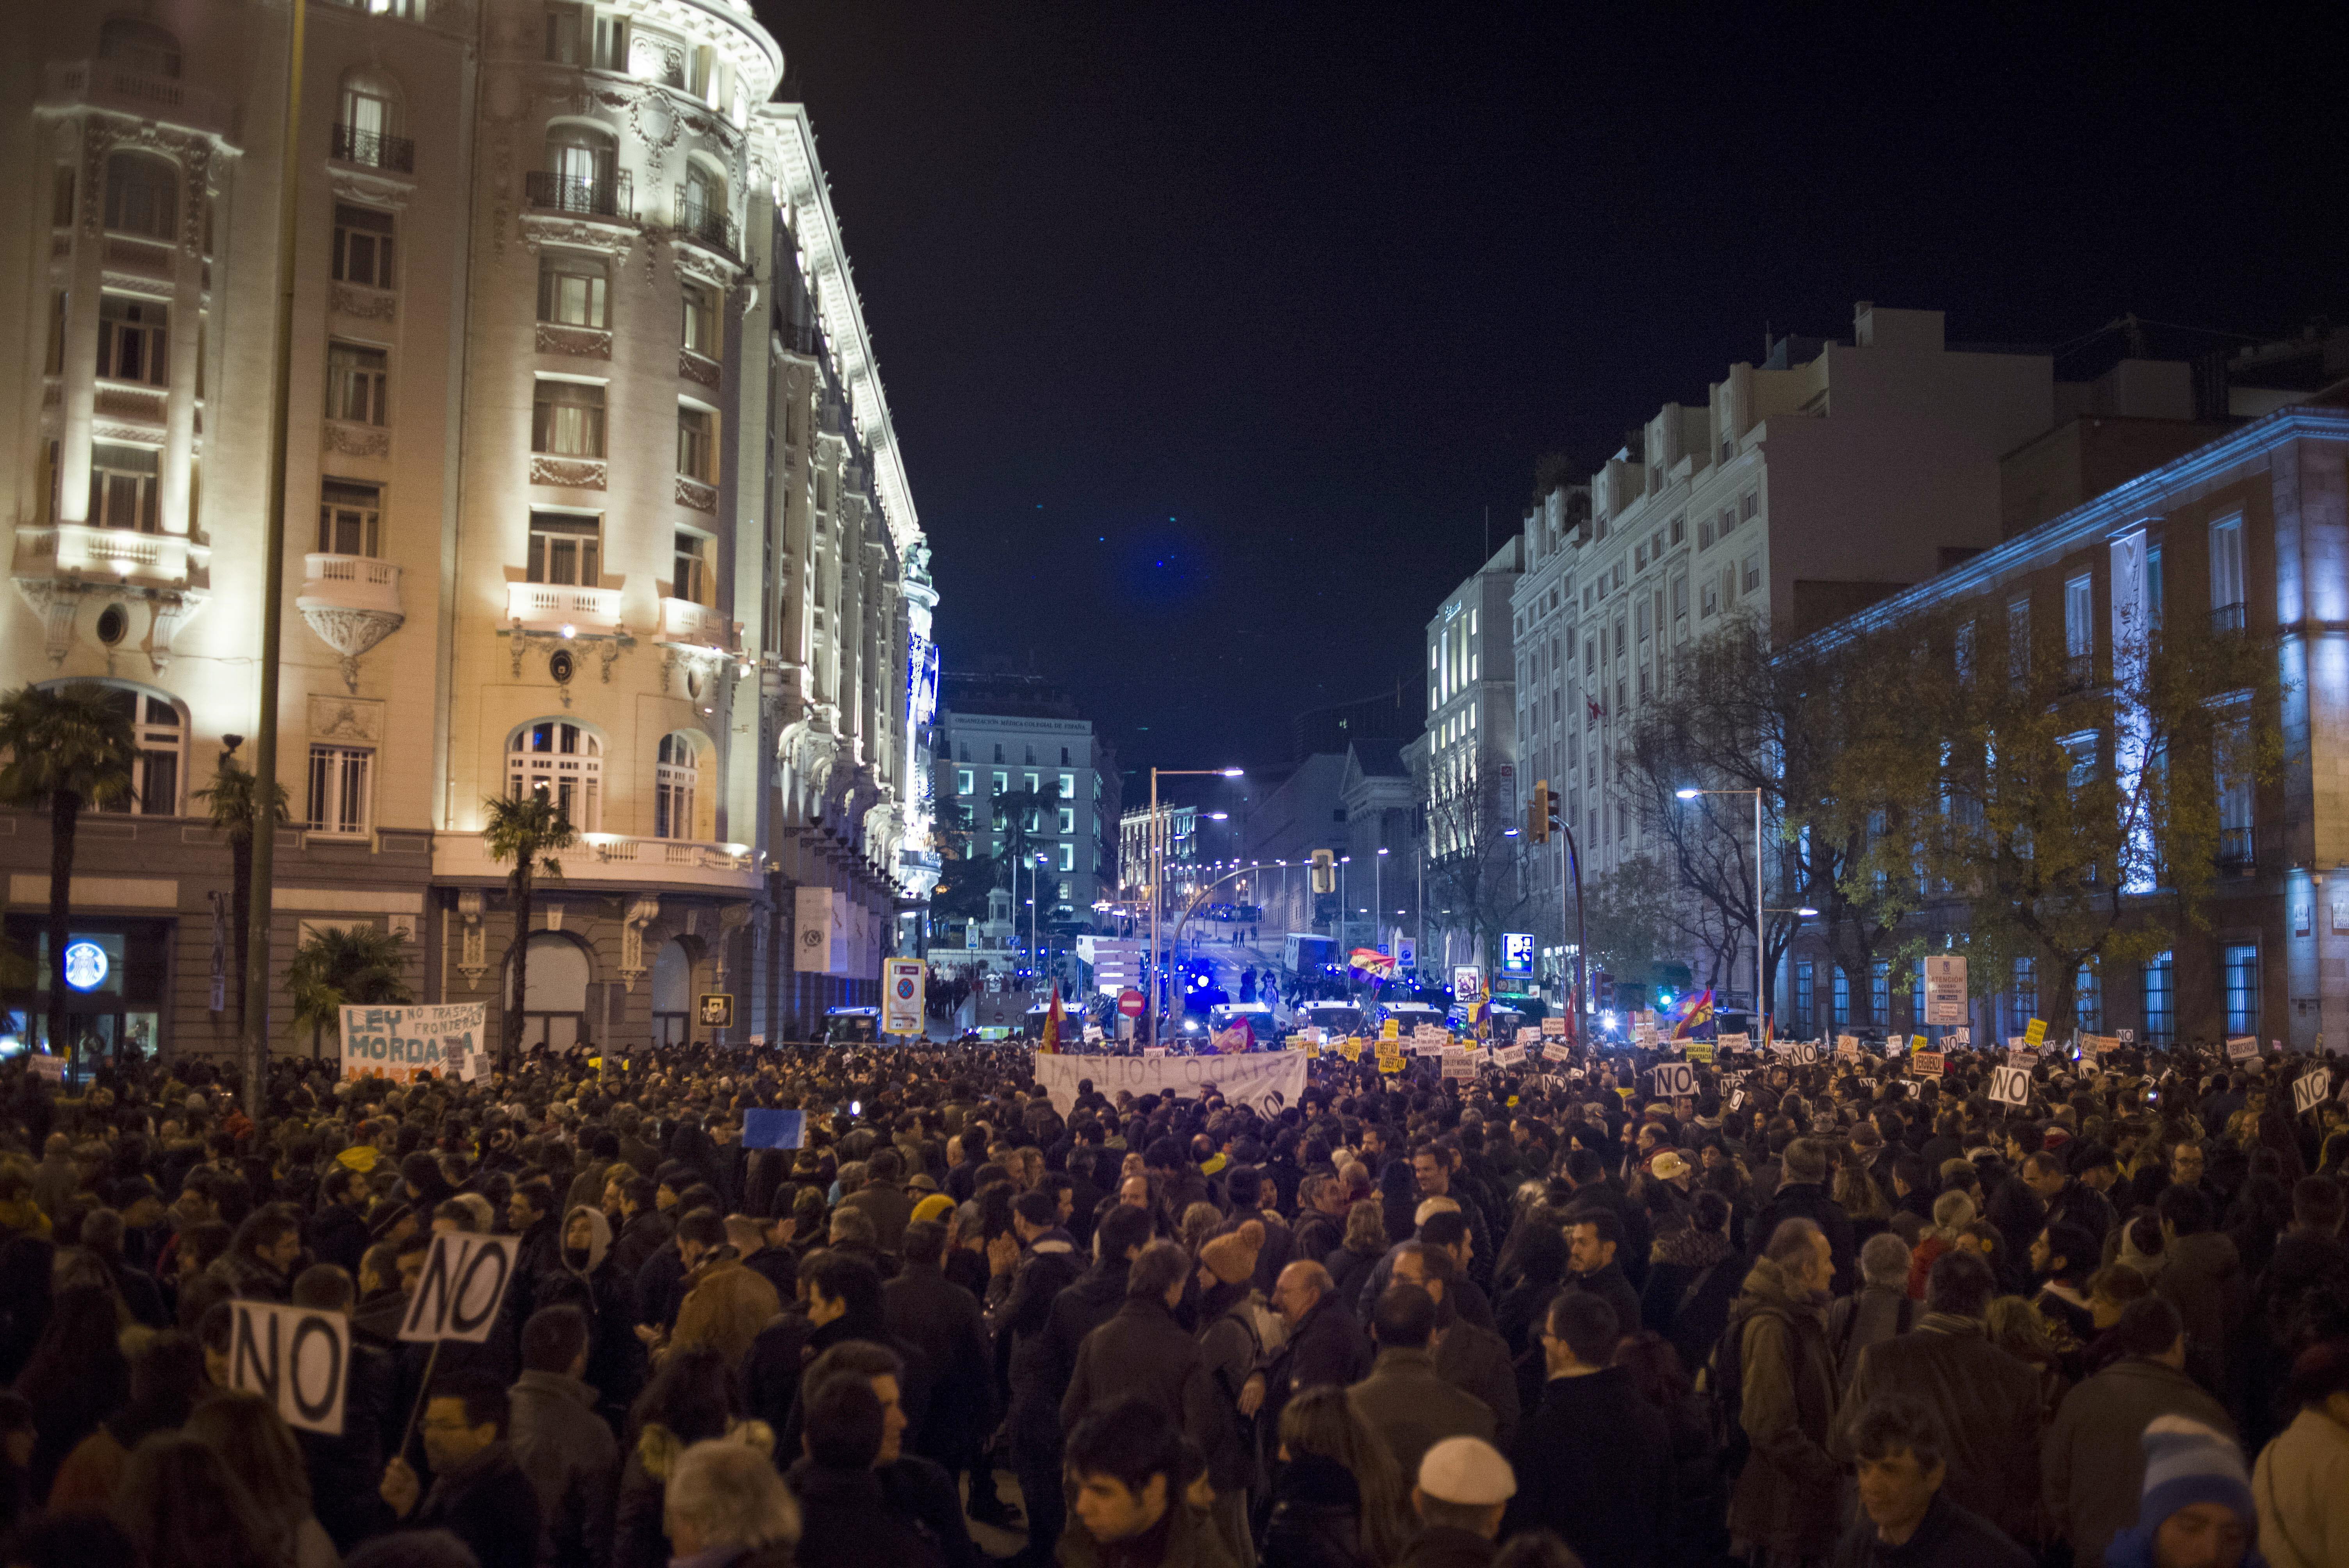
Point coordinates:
pixel 1463 1487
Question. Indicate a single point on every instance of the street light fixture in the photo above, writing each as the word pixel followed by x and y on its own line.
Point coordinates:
pixel 1158 870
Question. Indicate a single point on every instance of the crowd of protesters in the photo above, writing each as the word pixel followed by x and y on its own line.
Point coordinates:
pixel 1807 1315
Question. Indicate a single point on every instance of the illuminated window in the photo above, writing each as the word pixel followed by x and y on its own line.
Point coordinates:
pixel 559 762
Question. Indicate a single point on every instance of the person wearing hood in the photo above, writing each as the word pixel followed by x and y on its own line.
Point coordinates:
pixel 560 1444
pixel 2196 1511
pixel 1784 1501
pixel 422 1185
pixel 616 1357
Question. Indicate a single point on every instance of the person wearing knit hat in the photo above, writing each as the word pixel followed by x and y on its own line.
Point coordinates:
pixel 2196 1511
pixel 937 1206
pixel 1463 1488
pixel 1231 1257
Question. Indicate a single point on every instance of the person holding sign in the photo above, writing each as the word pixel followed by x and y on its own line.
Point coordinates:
pixel 479 1494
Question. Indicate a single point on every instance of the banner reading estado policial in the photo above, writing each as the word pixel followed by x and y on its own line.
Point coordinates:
pixel 397 1043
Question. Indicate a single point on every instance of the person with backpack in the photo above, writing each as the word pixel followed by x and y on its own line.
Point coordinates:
pixel 1774 1377
pixel 1881 1309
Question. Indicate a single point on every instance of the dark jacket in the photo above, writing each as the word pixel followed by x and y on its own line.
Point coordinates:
pixel 1476 1361
pixel 336 1234
pixel 1948 1537
pixel 487 1503
pixel 2204 1279
pixel 1406 1401
pixel 644 1233
pixel 943 1321
pixel 888 1208
pixel 1312 1525
pixel 2091 1479
pixel 1018 1311
pixel 1591 1465
pixel 1809 1200
pixel 574 1467
pixel 1442 1546
pixel 923 1494
pixel 1183 1538
pixel 1142 1353
pixel 1988 1405
pixel 1611 1285
pixel 1346 1273
pixel 1786 1495
pixel 1328 1346
pixel 846 1522
pixel 1075 1312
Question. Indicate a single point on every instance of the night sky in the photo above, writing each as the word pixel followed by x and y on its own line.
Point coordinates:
pixel 1212 333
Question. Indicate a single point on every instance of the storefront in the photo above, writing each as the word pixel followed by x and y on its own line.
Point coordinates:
pixel 117 973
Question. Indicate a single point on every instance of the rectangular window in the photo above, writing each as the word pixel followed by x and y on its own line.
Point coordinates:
pixel 2153 587
pixel 1068 857
pixel 701 320
pixel 363 248
pixel 1879 993
pixel 2227 575
pixel 122 490
pixel 2161 1001
pixel 2088 1000
pixel 2025 999
pixel 1704 534
pixel 1679 531
pixel 349 518
pixel 2018 641
pixel 572 291
pixel 692 568
pixel 1842 996
pixel 2234 787
pixel 53 362
pixel 2239 974
pixel 1805 994
pixel 963 781
pixel 338 789
pixel 1753 572
pixel 1711 599
pixel 61 197
pixel 1031 784
pixel 2079 617
pixel 134 339
pixel 1917 993
pixel 1749 506
pixel 696 444
pixel 566 419
pixel 1963 654
pixel 1068 821
pixel 1068 781
pixel 566 548
pixel 358 384
pixel 1002 781
pixel 567 37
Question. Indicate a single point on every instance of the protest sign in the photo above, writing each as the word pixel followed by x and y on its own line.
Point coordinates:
pixel 775 1129
pixel 1675 1081
pixel 1246 1079
pixel 397 1043
pixel 2309 1089
pixel 464 1280
pixel 2021 1057
pixel 1554 1028
pixel 1700 1051
pixel 50 1070
pixel 297 1357
pixel 2125 1036
pixel 2035 1033
pixel 1509 1056
pixel 1961 1036
pixel 1644 1035
pixel 1350 1048
pixel 2241 1047
pixel 1848 1047
pixel 1733 1042
pixel 1924 1064
pixel 2010 1086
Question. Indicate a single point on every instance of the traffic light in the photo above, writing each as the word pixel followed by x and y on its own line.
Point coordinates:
pixel 1537 813
pixel 1325 871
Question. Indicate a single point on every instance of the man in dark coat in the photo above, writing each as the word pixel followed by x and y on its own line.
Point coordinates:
pixel 1592 1461
pixel 1594 1240
pixel 1986 1402
pixel 1325 1344
pixel 1802 1194
pixel 943 1321
pixel 845 1519
pixel 478 1493
pixel 337 1232
pixel 1405 1399
pixel 1907 1519
pixel 1142 1353
pixel 1472 1360
pixel 1784 1501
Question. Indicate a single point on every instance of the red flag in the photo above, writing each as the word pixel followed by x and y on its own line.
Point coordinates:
pixel 1051 1044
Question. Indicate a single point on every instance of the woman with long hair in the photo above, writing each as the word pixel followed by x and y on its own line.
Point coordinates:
pixel 76 1378
pixel 183 1507
pixel 691 1398
pixel 1365 1244
pixel 1320 1424
pixel 259 1449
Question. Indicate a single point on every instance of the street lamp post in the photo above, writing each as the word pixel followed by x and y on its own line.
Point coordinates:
pixel 1759 950
pixel 1158 870
pixel 1378 899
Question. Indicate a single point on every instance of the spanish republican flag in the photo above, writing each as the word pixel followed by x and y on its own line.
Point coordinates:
pixel 1051 1044
pixel 1698 1011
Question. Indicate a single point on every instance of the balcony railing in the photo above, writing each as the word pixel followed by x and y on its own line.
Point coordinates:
pixel 551 606
pixel 84 550
pixel 799 337
pixel 696 625
pixel 613 858
pixel 2227 618
pixel 2079 672
pixel 112 84
pixel 373 148
pixel 710 226
pixel 350 583
pixel 2235 848
pixel 606 196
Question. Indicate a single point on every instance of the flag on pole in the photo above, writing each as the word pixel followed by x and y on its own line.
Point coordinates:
pixel 1698 1011
pixel 1051 1044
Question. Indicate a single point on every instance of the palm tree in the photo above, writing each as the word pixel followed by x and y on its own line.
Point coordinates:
pixel 229 800
pixel 69 746
pixel 338 967
pixel 527 832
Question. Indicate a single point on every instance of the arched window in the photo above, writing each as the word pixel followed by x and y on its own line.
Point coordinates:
pixel 142 195
pixel 161 737
pixel 141 45
pixel 583 164
pixel 672 995
pixel 555 1001
pixel 559 761
pixel 676 776
pixel 368 123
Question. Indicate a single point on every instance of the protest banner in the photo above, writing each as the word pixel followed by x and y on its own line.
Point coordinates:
pixel 1350 1048
pixel 48 1068
pixel 1700 1051
pixel 1924 1064
pixel 399 1042
pixel 2309 1090
pixel 2021 1057
pixel 1847 1048
pixel 1509 1056
pixel 1248 1080
pixel 1734 1042
pixel 2010 1086
pixel 297 1357
pixel 1554 1028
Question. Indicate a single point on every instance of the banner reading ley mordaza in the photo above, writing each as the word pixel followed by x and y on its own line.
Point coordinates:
pixel 397 1043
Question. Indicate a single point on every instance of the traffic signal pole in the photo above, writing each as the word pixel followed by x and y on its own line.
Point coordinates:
pixel 1542 820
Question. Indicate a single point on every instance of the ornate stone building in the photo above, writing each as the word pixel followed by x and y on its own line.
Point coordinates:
pixel 590 491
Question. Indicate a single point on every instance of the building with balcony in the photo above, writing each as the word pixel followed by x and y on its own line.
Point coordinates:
pixel 592 490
